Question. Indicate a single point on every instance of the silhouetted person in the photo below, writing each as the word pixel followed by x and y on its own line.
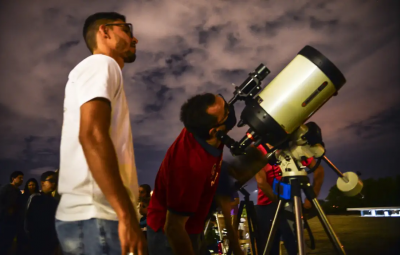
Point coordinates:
pixel 55 193
pixel 9 210
pixel 31 187
pixel 144 190
pixel 144 203
pixel 40 217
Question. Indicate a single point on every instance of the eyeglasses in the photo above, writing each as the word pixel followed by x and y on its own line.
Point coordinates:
pixel 126 27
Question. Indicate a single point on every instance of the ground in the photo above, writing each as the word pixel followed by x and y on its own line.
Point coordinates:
pixel 359 235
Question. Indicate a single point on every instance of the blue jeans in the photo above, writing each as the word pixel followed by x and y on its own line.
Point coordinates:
pixel 89 237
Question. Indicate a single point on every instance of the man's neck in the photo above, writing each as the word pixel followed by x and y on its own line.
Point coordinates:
pixel 14 185
pixel 214 142
pixel 109 53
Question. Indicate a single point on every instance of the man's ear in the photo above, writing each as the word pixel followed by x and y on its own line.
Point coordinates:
pixel 103 31
pixel 212 132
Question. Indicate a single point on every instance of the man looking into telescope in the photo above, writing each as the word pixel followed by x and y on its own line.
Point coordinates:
pixel 188 178
pixel 266 205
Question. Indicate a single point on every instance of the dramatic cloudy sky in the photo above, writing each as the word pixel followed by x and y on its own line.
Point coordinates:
pixel 188 47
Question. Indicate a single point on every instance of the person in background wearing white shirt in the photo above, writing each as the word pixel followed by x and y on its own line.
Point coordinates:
pixel 98 180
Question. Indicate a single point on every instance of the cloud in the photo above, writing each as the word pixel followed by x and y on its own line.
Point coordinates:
pixel 189 47
pixel 386 122
pixel 274 35
pixel 67 45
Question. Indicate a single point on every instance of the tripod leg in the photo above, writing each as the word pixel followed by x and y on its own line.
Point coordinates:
pixel 274 227
pixel 236 225
pixel 328 228
pixel 207 224
pixel 299 225
pixel 324 220
pixel 296 193
pixel 239 214
pixel 252 226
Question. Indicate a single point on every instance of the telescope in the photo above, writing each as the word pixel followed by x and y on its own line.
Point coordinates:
pixel 276 115
pixel 291 98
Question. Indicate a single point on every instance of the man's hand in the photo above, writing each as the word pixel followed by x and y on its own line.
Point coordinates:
pixel 131 237
pixel 235 202
pixel 318 180
pixel 224 203
pixel 175 231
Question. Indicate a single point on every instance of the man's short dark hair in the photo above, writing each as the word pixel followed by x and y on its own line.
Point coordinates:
pixel 195 117
pixel 147 188
pixel 47 174
pixel 15 174
pixel 92 24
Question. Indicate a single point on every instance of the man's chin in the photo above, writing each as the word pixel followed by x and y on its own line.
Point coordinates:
pixel 130 58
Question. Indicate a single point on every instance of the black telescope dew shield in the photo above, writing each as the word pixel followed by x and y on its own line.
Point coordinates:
pixel 293 96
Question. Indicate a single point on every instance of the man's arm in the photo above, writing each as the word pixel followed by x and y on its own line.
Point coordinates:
pixel 225 204
pixel 8 200
pixel 101 156
pixel 102 160
pixel 318 180
pixel 2 195
pixel 235 202
pixel 176 233
pixel 262 183
pixel 318 177
pixel 32 215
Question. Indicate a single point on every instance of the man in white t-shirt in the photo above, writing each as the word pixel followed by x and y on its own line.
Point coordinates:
pixel 97 180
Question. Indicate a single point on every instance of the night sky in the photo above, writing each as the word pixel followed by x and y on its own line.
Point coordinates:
pixel 190 47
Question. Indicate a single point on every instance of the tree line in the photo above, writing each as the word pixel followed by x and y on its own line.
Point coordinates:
pixel 382 192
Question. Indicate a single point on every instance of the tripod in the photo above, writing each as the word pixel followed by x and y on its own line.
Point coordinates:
pixel 251 220
pixel 290 189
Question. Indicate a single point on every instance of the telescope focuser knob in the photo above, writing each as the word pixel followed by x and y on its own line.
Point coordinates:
pixel 241 123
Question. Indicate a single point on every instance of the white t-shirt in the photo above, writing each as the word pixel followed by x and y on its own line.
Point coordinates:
pixel 81 198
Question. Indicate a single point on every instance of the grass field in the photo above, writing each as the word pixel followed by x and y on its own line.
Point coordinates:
pixel 359 235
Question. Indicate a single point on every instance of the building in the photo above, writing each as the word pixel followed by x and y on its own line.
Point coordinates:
pixel 378 211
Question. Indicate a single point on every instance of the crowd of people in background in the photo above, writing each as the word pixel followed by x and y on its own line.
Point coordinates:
pixel 27 216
